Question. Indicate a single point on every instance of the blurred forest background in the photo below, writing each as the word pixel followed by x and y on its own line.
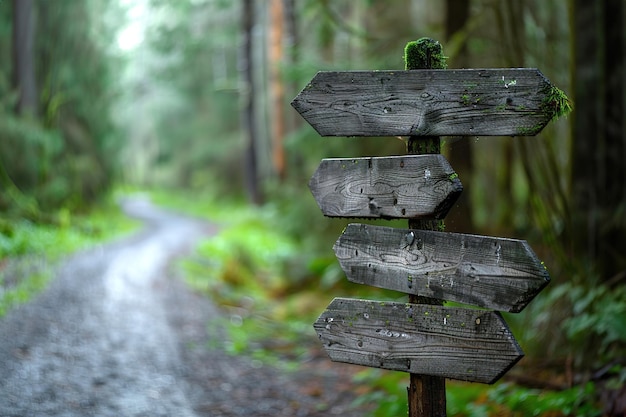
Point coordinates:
pixel 191 98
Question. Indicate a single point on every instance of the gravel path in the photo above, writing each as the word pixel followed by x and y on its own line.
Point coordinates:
pixel 117 334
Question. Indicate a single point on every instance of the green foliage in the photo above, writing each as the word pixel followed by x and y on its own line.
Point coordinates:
pixel 260 253
pixel 24 241
pixel 245 268
pixel 388 391
pixel 70 232
pixel 466 399
pixel 245 259
pixel 23 291
pixel 35 171
pixel 260 336
pixel 584 322
pixel 577 401
pixel 597 324
pixel 424 53
pixel 77 99
pixel 68 156
pixel 33 176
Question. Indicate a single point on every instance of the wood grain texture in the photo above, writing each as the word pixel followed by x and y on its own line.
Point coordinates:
pixel 497 273
pixel 458 343
pixel 473 102
pixel 423 186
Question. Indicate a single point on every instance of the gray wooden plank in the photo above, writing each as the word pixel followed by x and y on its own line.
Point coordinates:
pixel 489 102
pixel 417 186
pixel 458 343
pixel 498 273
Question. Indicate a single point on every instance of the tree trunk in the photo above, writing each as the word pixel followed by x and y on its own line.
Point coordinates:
pixel 599 131
pixel 277 87
pixel 460 152
pixel 24 56
pixel 293 54
pixel 251 173
pixel 457 15
pixel 510 17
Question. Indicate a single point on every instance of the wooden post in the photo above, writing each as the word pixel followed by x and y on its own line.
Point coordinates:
pixel 426 394
pixel 424 338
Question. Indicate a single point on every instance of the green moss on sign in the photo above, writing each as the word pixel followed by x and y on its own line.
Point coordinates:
pixel 424 53
pixel 556 103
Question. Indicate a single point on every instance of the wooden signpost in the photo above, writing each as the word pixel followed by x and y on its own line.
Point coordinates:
pixel 478 102
pixel 502 274
pixel 458 343
pixel 423 337
pixel 423 186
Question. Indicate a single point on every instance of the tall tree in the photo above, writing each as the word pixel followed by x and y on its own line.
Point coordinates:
pixel 460 153
pixel 249 109
pixel 599 146
pixel 24 56
pixel 277 124
pixel 293 49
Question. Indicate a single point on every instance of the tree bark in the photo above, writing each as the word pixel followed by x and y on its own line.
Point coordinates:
pixel 460 153
pixel 248 104
pixel 24 56
pixel 292 42
pixel 599 136
pixel 277 87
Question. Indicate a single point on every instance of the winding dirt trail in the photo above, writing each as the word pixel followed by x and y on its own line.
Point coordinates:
pixel 100 329
pixel 116 334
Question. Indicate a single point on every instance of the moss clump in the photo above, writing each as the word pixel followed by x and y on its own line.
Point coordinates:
pixel 556 103
pixel 424 53
pixel 530 130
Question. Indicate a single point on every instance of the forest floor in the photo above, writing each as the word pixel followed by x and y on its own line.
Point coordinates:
pixel 118 333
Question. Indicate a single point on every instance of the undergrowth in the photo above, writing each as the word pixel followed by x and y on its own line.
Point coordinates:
pixel 25 245
pixel 388 390
pixel 272 285
pixel 247 270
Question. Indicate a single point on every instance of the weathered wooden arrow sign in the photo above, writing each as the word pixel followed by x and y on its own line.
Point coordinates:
pixel 503 274
pixel 458 343
pixel 417 186
pixel 490 102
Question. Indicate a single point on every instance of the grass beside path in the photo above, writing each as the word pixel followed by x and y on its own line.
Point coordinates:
pixel 27 249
